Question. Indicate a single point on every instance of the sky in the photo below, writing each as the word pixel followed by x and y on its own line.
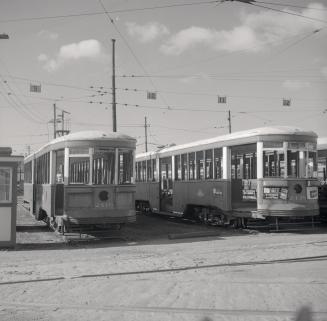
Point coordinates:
pixel 188 52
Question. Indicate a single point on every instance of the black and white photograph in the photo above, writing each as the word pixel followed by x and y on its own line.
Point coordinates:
pixel 163 160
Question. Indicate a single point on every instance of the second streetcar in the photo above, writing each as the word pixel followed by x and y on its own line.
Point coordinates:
pixel 268 172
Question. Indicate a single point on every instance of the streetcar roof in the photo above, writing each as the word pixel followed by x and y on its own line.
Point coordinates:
pixel 88 135
pixel 237 137
pixel 91 135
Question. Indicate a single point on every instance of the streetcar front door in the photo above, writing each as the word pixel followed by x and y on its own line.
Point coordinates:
pixel 166 185
pixel 243 176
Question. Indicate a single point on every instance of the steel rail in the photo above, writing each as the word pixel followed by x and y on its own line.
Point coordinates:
pixel 177 269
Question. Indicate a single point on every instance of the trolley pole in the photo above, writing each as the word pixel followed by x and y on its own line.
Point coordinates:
pixel 54 121
pixel 229 122
pixel 114 116
pixel 146 134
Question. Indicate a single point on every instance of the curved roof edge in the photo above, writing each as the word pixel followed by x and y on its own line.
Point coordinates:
pixel 87 135
pixel 261 131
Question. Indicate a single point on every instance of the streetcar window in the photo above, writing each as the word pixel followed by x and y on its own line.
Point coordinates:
pixel 218 163
pixel 28 172
pixel 155 174
pixel 274 163
pixel 322 165
pixel 149 173
pixel 166 174
pixel 42 167
pixel 178 168
pixel 60 163
pixel 136 171
pixel 5 184
pixel 199 165
pixel 209 164
pixel 103 167
pixel 191 165
pixel 250 166
pixel 140 171
pixel 125 167
pixel 237 166
pixel 79 169
pixel 151 169
pixel 311 165
pixel 143 171
pixel 293 163
pixel 184 166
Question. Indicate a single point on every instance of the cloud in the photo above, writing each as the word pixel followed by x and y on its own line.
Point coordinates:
pixel 42 57
pixel 296 84
pixel 148 32
pixel 256 32
pixel 86 49
pixel 48 34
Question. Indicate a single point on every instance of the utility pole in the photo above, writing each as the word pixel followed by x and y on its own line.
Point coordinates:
pixel 146 134
pixel 63 131
pixel 54 121
pixel 62 122
pixel 229 122
pixel 114 116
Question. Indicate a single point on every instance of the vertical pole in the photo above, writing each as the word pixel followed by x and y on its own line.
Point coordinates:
pixel 63 123
pixel 114 117
pixel 229 122
pixel 260 163
pixel 146 134
pixel 54 121
pixel 66 166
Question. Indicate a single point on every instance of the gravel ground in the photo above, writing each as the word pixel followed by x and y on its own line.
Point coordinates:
pixel 139 273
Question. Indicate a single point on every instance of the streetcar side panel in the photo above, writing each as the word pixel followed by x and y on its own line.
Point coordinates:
pixel 147 194
pixel 205 193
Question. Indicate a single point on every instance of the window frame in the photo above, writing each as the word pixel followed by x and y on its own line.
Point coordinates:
pixel 9 200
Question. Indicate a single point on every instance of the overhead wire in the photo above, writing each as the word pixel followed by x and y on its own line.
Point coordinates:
pixel 112 11
pixel 286 12
pixel 187 109
pixel 291 5
pixel 18 108
pixel 192 93
pixel 49 83
pixel 314 79
pixel 312 33
pixel 131 50
pixel 17 101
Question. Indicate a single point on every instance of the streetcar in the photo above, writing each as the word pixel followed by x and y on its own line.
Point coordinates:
pixel 322 176
pixel 264 173
pixel 84 179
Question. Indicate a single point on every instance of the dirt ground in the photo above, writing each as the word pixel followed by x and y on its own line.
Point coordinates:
pixel 158 269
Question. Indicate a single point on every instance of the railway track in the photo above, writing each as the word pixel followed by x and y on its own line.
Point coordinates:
pixel 150 309
pixel 177 269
